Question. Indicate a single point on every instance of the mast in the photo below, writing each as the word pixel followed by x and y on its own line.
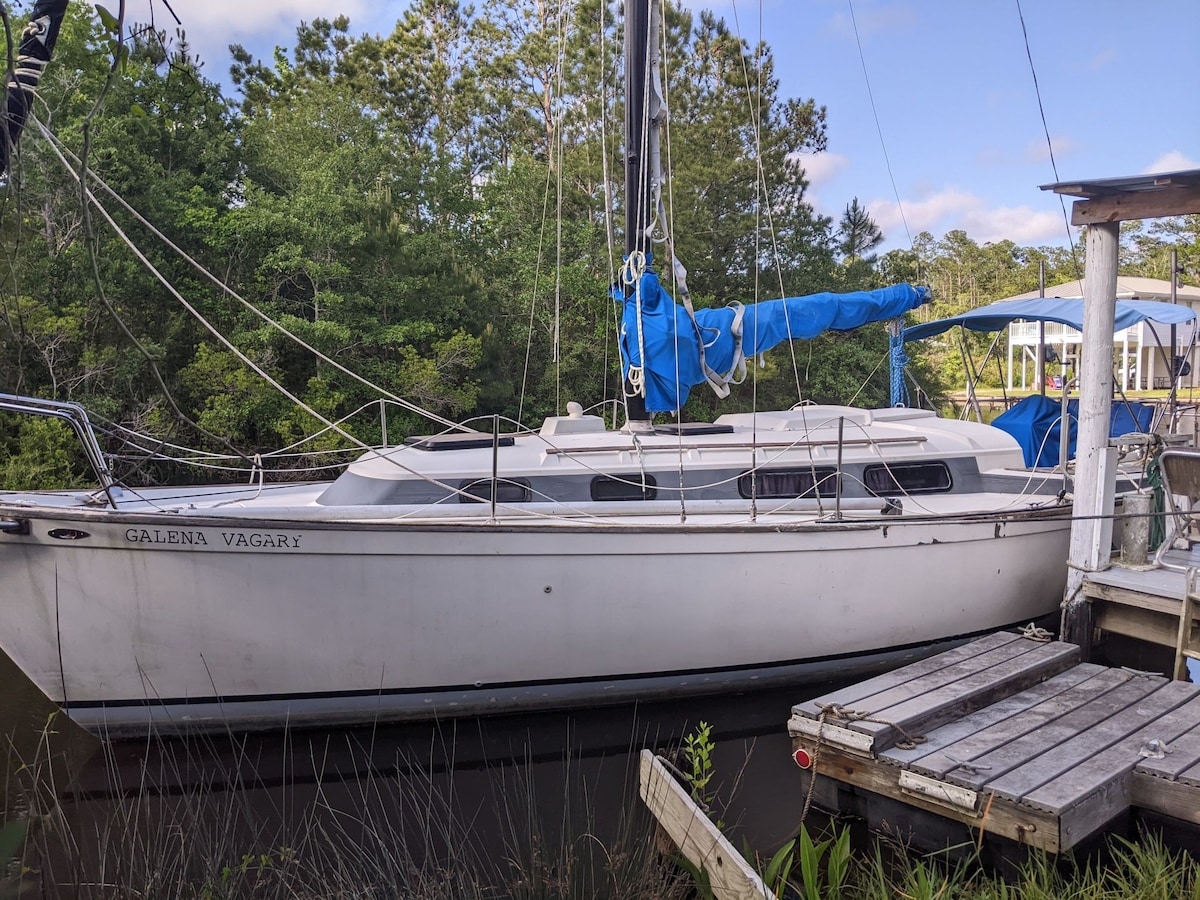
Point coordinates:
pixel 637 180
pixel 37 43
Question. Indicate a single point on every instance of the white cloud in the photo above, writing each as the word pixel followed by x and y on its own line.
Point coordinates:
pixel 213 25
pixel 822 168
pixel 1172 161
pixel 953 208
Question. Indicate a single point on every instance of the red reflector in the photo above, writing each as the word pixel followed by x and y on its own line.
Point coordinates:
pixel 803 758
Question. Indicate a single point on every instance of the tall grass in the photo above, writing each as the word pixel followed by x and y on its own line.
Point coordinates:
pixel 338 817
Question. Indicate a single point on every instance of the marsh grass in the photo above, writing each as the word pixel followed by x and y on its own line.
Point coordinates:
pixel 347 816
pixel 335 816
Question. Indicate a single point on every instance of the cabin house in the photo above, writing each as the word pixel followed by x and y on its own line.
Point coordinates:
pixel 1142 354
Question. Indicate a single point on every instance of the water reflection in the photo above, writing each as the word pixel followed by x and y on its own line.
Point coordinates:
pixel 483 804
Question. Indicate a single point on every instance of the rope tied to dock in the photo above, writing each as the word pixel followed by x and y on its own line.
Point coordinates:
pixel 840 713
pixel 1034 632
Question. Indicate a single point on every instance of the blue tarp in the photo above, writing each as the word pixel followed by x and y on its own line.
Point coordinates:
pixel 1066 310
pixel 666 326
pixel 1036 423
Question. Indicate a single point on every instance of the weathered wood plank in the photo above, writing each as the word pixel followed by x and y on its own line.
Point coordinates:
pixel 1020 783
pixel 1176 201
pixel 1181 762
pixel 1088 796
pixel 1021 752
pixel 855 693
pixel 974 690
pixel 1139 622
pixel 1171 798
pixel 695 835
pixel 1157 589
pixel 1003 733
pixel 1004 818
pixel 989 716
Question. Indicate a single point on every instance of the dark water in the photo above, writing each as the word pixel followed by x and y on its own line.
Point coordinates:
pixel 491 797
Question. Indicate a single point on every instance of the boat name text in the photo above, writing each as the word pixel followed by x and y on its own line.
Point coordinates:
pixel 234 539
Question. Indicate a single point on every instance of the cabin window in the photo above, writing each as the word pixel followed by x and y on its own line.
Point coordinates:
pixel 788 484
pixel 635 487
pixel 908 478
pixel 508 490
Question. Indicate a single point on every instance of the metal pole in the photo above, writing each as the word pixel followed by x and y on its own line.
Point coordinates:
pixel 637 182
pixel 495 460
pixel 837 485
pixel 1040 377
pixel 1172 396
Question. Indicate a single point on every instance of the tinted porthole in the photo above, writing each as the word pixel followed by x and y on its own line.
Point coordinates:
pixel 631 488
pixel 908 478
pixel 508 490
pixel 786 484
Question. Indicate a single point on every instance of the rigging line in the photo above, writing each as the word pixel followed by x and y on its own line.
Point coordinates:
pixel 609 232
pixel 60 147
pixel 762 191
pixel 537 278
pixel 879 128
pixel 1049 143
pixel 91 198
pixel 559 146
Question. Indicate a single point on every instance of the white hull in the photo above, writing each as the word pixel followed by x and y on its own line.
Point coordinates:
pixel 341 622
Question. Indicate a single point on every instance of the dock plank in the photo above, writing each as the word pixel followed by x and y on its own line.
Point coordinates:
pixel 989 716
pixel 1089 795
pixel 1183 760
pixel 854 694
pixel 975 689
pixel 1024 750
pixel 1019 784
pixel 1003 733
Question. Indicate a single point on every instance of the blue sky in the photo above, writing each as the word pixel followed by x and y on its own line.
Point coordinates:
pixel 1120 83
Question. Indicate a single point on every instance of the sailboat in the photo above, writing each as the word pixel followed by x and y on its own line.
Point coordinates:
pixel 468 572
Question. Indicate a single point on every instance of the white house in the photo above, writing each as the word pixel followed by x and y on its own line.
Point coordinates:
pixel 1141 354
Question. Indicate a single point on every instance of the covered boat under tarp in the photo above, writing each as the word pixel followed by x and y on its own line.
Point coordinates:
pixel 680 355
pixel 1036 423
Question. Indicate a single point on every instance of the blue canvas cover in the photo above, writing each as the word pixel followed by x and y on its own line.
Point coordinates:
pixel 673 344
pixel 1036 424
pixel 1065 310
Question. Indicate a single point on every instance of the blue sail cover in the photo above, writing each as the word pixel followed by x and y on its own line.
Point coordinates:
pixel 672 343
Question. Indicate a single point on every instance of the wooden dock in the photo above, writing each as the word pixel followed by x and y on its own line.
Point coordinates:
pixel 1009 736
pixel 1149 603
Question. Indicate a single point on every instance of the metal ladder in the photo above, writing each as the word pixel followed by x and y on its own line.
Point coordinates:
pixel 1187 642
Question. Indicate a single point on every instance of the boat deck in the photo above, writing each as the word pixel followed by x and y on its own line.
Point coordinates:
pixel 1008 736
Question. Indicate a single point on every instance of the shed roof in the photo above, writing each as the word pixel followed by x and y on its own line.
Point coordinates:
pixel 1129 184
pixel 1129 287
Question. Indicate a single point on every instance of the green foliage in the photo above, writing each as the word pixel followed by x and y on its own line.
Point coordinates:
pixel 698 748
pixel 824 865
pixel 40 454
